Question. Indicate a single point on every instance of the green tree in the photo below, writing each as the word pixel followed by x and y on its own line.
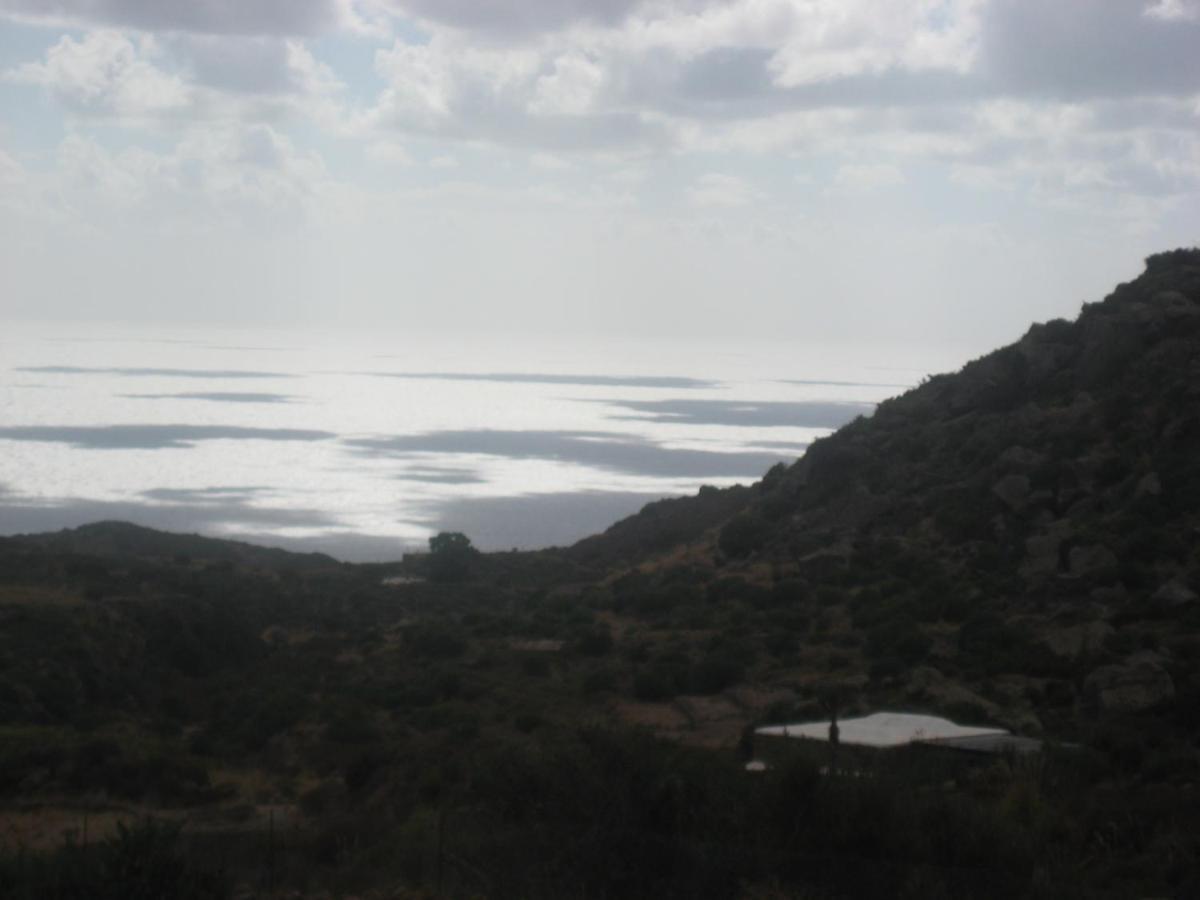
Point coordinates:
pixel 451 556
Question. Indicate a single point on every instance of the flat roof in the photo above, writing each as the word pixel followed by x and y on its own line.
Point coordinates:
pixel 884 729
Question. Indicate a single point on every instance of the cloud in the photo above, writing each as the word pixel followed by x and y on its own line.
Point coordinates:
pixel 825 41
pixel 389 153
pixel 715 189
pixel 289 17
pixel 1173 10
pixel 1020 115
pixel 254 65
pixel 107 73
pixel 570 88
pixel 1077 49
pixel 452 87
pixel 517 17
pixel 171 81
pixel 867 177
pixel 220 176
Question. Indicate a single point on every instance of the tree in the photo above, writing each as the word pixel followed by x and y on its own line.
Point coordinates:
pixel 451 556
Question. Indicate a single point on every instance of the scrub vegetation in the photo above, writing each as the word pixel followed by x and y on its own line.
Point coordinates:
pixel 1013 544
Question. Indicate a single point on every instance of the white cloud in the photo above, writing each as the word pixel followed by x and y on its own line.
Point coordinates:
pixel 107 73
pixel 1174 10
pixel 17 192
pixel 570 89
pixel 388 152
pixel 214 177
pixel 867 177
pixel 203 16
pixel 549 162
pixel 831 39
pixel 598 106
pixel 716 189
pixel 146 81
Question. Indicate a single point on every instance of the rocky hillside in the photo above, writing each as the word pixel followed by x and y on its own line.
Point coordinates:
pixel 1021 535
pixel 1065 462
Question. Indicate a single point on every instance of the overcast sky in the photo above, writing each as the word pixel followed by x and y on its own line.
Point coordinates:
pixel 832 170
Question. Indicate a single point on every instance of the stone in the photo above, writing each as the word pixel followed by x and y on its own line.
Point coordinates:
pixel 1041 550
pixel 1091 559
pixel 928 685
pixel 1149 485
pixel 1138 685
pixel 1017 457
pixel 1013 491
pixel 1077 640
pixel 1174 305
pixel 1174 593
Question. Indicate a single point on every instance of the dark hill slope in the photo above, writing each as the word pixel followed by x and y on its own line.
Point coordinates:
pixel 660 526
pixel 123 540
pixel 1071 454
pixel 1019 540
pixel 1067 463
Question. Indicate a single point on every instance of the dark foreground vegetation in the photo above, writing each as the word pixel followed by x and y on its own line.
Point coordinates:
pixel 1018 544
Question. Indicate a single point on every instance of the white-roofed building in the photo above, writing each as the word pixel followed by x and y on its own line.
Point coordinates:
pixel 889 730
pixel 883 729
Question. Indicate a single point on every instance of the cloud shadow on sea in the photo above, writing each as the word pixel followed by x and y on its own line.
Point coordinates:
pixel 745 413
pixel 647 381
pixel 152 437
pixel 625 453
pixel 217 397
pixel 209 496
pixel 153 373
pixel 441 475
pixel 812 382
pixel 531 521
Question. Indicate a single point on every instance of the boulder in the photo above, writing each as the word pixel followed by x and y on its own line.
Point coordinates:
pixel 1018 457
pixel 1091 559
pixel 1149 485
pixel 928 685
pixel 1139 684
pixel 1175 305
pixel 1077 640
pixel 1174 593
pixel 1041 550
pixel 1013 491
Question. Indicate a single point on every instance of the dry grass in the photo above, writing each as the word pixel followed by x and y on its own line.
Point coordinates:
pixel 33 595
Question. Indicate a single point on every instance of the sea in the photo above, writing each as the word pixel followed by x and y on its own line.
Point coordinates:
pixel 364 444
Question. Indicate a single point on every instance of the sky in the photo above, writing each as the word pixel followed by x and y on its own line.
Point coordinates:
pixel 833 171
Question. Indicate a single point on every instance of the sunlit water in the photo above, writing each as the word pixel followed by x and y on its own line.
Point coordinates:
pixel 362 446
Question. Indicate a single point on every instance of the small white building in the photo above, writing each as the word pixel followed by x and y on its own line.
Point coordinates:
pixel 884 729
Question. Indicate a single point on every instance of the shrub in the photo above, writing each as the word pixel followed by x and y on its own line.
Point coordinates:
pixel 653 684
pixel 743 534
pixel 714 673
pixel 451 556
pixel 594 641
